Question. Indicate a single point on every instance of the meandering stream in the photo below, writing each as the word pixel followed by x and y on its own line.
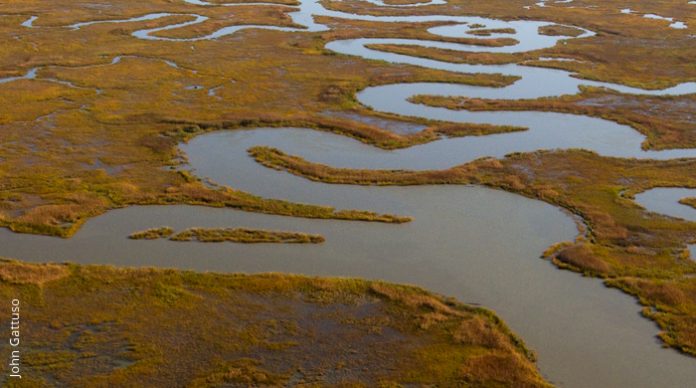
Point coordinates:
pixel 479 245
pixel 665 200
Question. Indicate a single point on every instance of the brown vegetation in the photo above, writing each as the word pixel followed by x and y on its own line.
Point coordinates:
pixel 491 31
pixel 152 234
pixel 238 235
pixel 467 129
pixel 245 235
pixel 70 153
pixel 666 121
pixel 627 49
pixel 688 202
pixel 454 56
pixel 558 30
pixel 621 239
pixel 147 327
pixel 38 274
pixel 674 303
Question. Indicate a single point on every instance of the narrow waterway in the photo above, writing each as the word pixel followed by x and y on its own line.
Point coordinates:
pixel 476 244
pixel 665 200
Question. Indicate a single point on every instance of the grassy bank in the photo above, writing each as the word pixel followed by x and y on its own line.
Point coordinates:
pixel 689 202
pixel 666 121
pixel 621 241
pixel 147 327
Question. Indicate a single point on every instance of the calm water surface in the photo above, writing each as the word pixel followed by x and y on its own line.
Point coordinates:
pixel 665 200
pixel 476 244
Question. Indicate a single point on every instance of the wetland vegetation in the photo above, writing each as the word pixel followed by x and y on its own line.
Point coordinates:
pixel 666 121
pixel 245 235
pixel 689 202
pixel 156 327
pixel 152 234
pixel 97 140
pixel 238 235
pixel 621 241
pixel 94 123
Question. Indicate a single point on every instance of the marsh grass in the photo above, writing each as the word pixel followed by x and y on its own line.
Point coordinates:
pixel 559 30
pixel 462 130
pixel 666 121
pixel 137 327
pixel 688 202
pixel 152 234
pixel 63 163
pixel 245 235
pixel 453 56
pixel 621 241
pixel 490 31
pixel 51 136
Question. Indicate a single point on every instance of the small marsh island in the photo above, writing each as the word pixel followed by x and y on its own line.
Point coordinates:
pixel 348 193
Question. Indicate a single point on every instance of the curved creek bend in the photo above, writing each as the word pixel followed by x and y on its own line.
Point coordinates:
pixel 476 244
pixel 665 200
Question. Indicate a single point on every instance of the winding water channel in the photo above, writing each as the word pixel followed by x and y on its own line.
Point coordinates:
pixel 665 200
pixel 476 244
